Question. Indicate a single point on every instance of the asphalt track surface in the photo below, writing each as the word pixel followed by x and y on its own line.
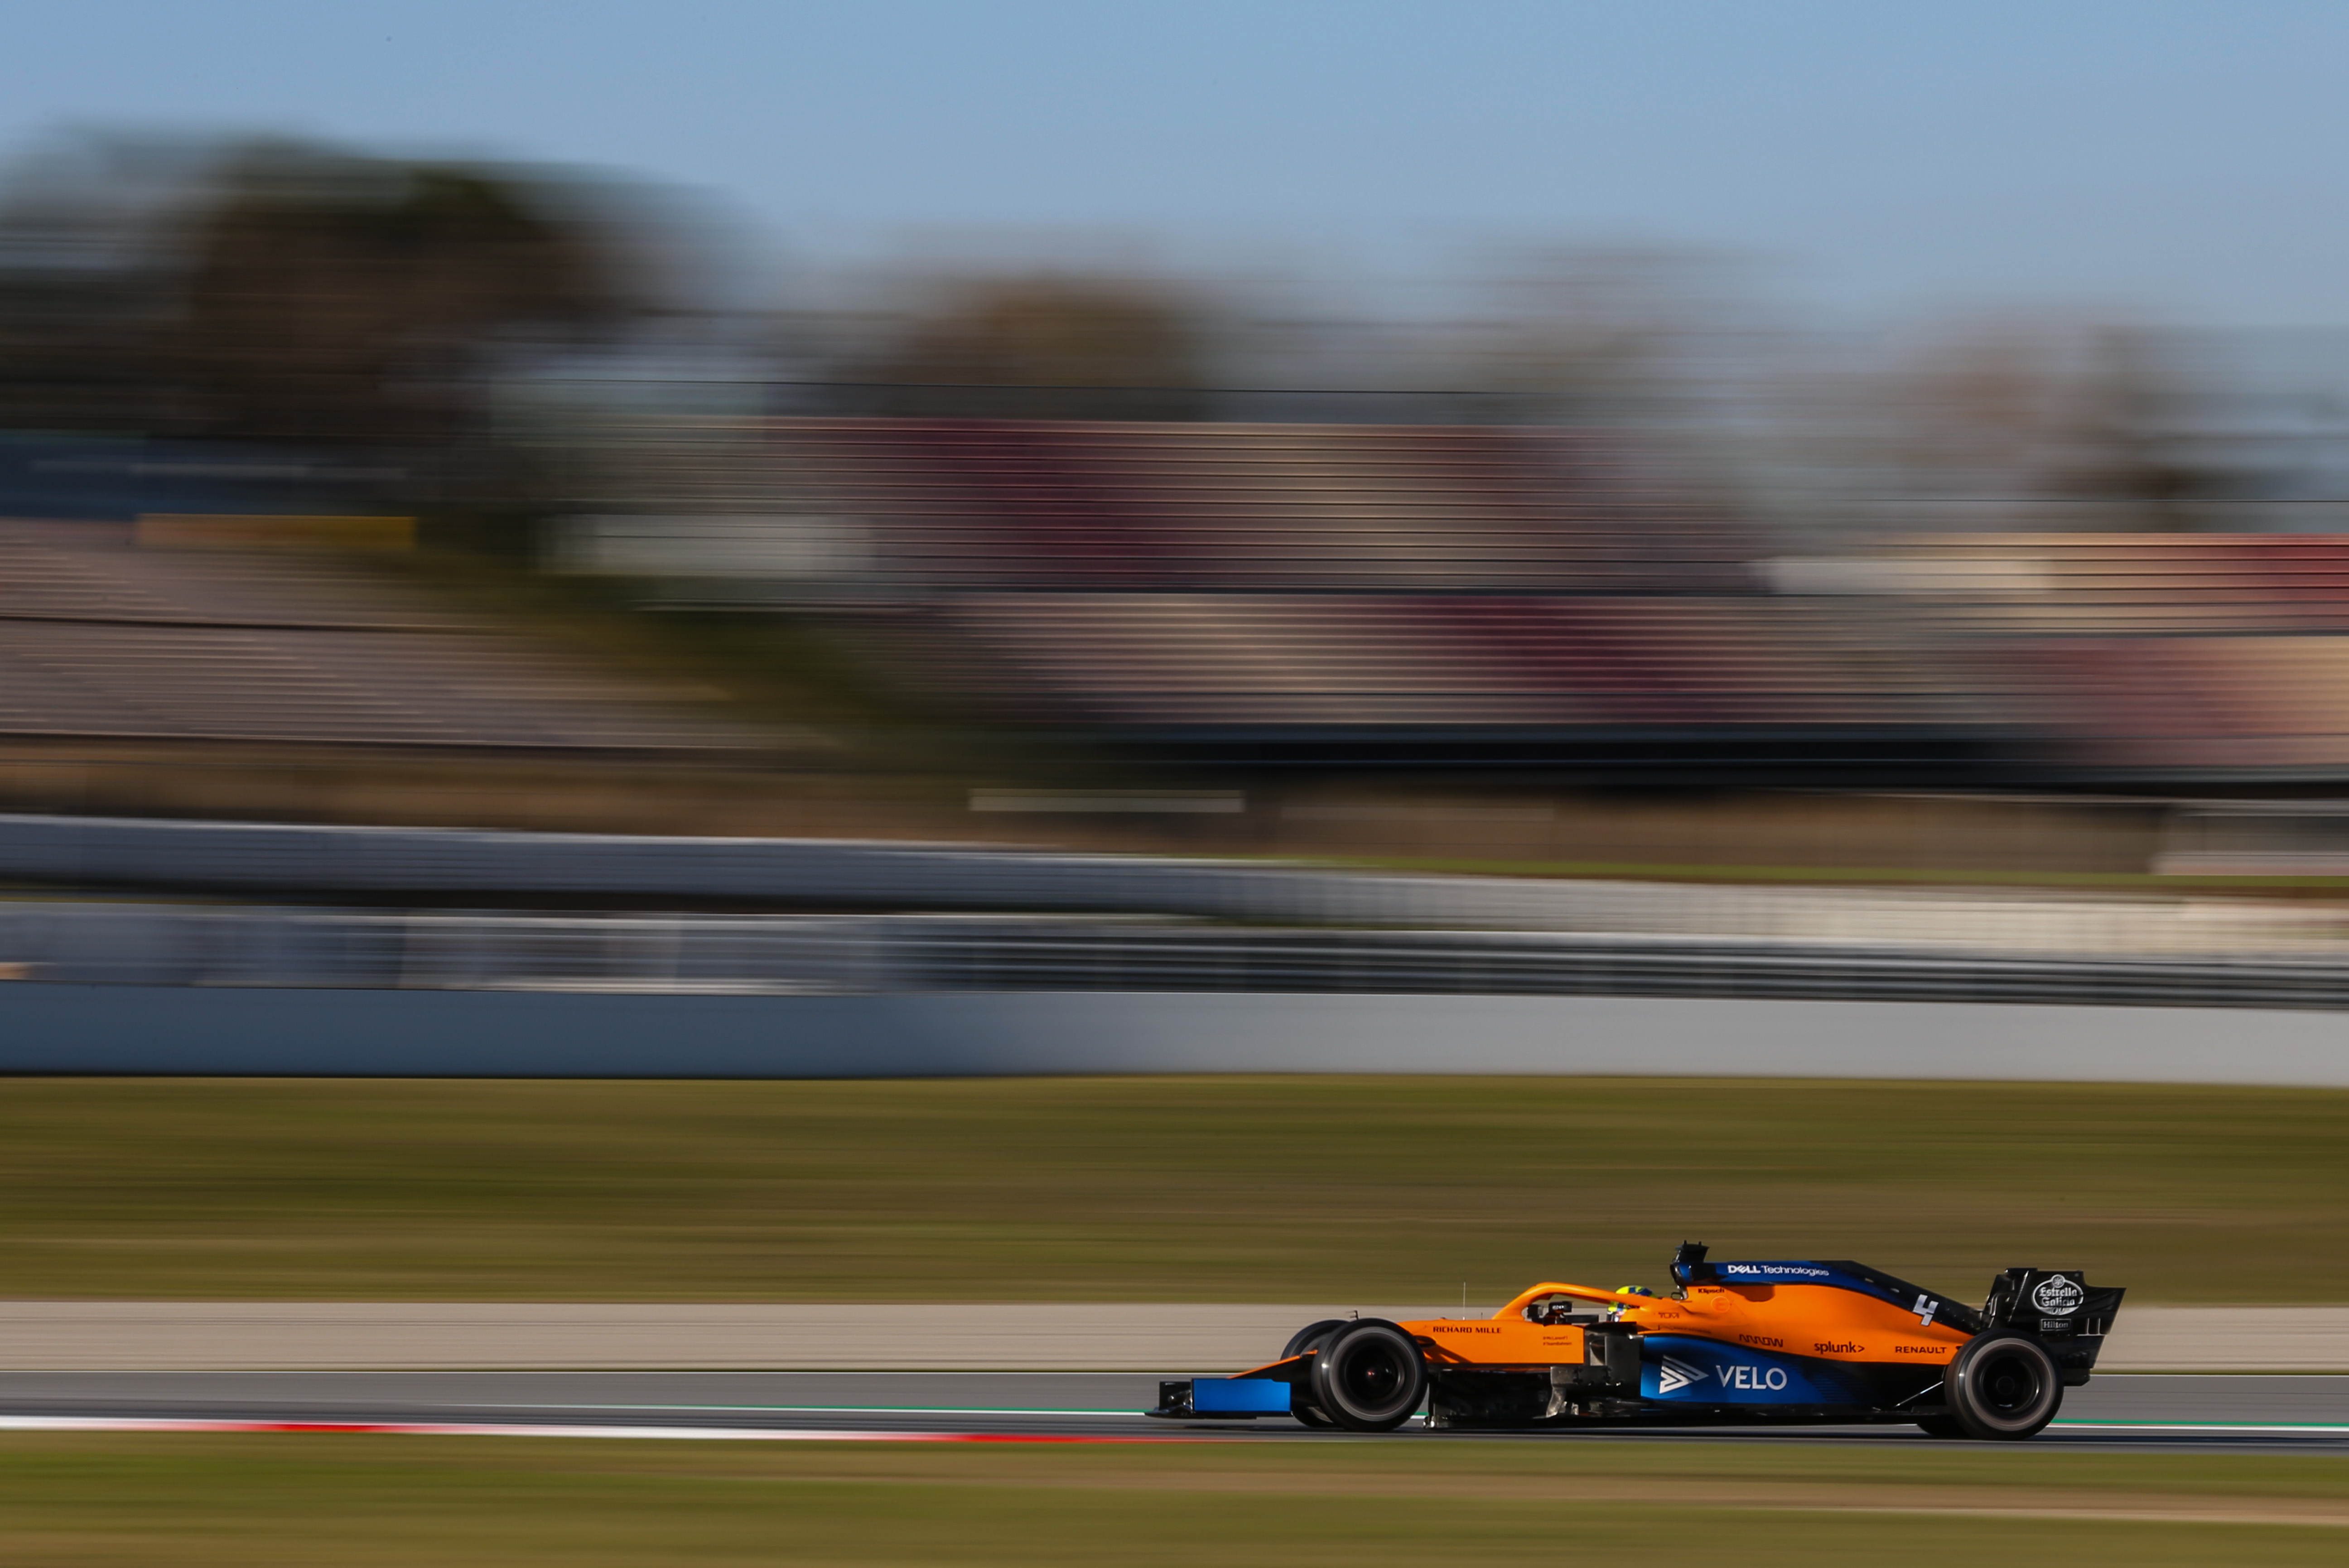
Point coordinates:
pixel 2215 1413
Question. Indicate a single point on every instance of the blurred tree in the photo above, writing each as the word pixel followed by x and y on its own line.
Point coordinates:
pixel 2023 412
pixel 1977 410
pixel 1606 337
pixel 85 297
pixel 284 293
pixel 76 354
pixel 352 301
pixel 1048 347
pixel 2134 436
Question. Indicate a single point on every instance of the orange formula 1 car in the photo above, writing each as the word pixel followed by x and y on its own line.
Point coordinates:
pixel 1754 1343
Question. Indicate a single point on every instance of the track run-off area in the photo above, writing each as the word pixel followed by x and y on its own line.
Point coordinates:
pixel 2215 1413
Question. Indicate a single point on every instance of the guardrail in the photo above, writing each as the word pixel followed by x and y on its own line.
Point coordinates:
pixel 151 945
pixel 358 865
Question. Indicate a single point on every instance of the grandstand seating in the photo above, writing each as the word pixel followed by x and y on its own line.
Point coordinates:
pixel 100 640
pixel 2174 658
pixel 970 505
pixel 2120 582
pixel 1267 582
pixel 1232 592
pixel 1449 661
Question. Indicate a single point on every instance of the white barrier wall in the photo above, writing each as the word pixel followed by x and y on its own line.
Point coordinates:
pixel 202 1030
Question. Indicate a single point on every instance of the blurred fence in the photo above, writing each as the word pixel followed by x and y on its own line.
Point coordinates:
pixel 161 945
pixel 361 864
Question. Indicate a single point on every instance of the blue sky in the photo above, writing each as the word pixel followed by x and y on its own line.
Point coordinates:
pixel 2185 160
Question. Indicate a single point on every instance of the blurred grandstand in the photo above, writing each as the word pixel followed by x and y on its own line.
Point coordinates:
pixel 1244 598
pixel 2146 661
pixel 102 641
pixel 1385 598
pixel 1490 597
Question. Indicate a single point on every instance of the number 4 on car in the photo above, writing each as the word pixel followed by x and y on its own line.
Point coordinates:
pixel 1783 1342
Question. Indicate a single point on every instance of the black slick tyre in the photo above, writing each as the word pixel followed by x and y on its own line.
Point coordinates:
pixel 1369 1377
pixel 2004 1386
pixel 1311 1336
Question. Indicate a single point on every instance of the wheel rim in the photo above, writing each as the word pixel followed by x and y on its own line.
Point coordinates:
pixel 1371 1378
pixel 2010 1386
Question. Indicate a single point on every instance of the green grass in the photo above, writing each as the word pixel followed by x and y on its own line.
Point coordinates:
pixel 455 1503
pixel 1323 1189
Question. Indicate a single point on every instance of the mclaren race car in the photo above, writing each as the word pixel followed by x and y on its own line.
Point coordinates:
pixel 1783 1342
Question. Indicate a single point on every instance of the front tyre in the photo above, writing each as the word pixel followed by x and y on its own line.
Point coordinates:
pixel 1369 1377
pixel 1312 1336
pixel 2004 1386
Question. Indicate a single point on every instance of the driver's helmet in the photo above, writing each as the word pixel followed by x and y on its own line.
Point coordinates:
pixel 1615 1312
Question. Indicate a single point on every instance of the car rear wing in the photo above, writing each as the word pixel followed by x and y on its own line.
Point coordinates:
pixel 2056 1305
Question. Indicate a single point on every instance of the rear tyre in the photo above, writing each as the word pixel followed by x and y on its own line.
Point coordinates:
pixel 1312 1336
pixel 1369 1377
pixel 2004 1387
